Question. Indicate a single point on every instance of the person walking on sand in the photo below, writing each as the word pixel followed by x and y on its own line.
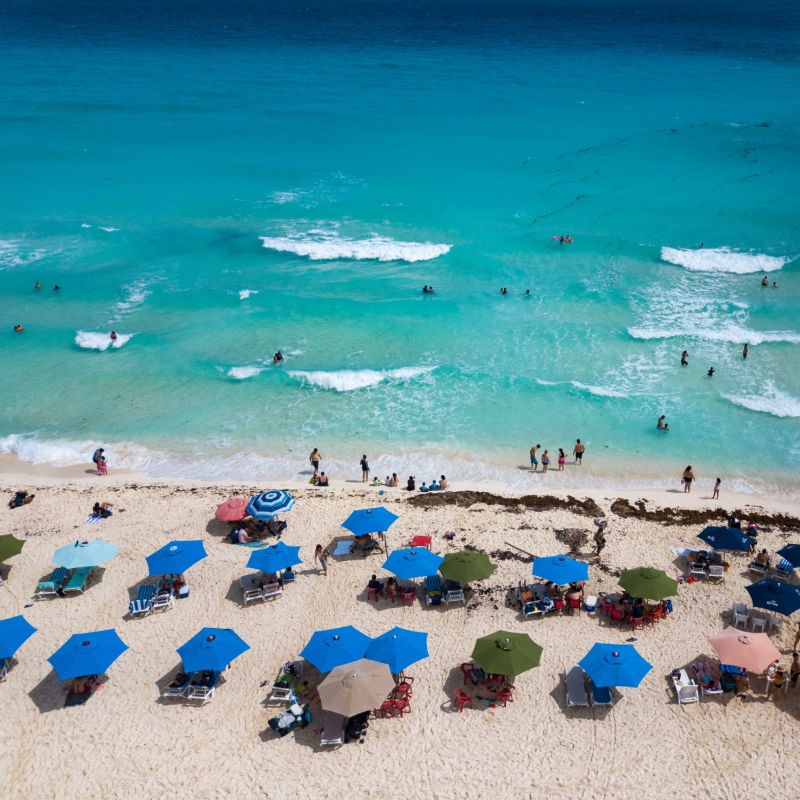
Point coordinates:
pixel 578 451
pixel 321 556
pixel 534 460
pixel 545 461
pixel 364 469
pixel 688 477
pixel 684 358
pixel 315 458
pixel 715 495
pixel 744 350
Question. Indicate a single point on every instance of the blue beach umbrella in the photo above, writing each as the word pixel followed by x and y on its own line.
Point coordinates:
pixel 269 504
pixel 560 569
pixel 336 646
pixel 84 554
pixel 87 654
pixel 275 558
pixel 399 648
pixel 14 631
pixel 369 520
pixel 614 665
pixel 412 563
pixel 176 557
pixel 211 649
pixel 791 553
pixel 778 596
pixel 722 538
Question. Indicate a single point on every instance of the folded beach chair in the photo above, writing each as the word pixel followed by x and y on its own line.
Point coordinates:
pixel 143 602
pixel 53 585
pixel 78 580
pixel 575 679
pixel 178 686
pixel 202 685
pixel 433 590
pixel 333 733
pixel 601 695
pixel 162 601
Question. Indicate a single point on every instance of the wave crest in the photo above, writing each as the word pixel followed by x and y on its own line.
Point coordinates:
pixel 722 259
pixel 245 293
pixel 243 373
pixel 772 401
pixel 319 246
pixel 95 340
pixel 348 380
pixel 732 333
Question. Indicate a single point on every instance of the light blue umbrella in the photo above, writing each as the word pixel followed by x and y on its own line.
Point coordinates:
pixel 211 649
pixel 176 557
pixel 369 520
pixel 269 504
pixel 615 665
pixel 87 654
pixel 412 563
pixel 399 648
pixel 560 569
pixel 84 554
pixel 14 631
pixel 336 646
pixel 275 558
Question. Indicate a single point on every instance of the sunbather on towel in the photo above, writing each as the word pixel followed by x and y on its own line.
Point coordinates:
pixel 20 498
pixel 102 510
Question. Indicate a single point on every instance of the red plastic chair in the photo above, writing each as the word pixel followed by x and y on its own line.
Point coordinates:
pixel 616 614
pixel 387 706
pixel 373 594
pixel 559 605
pixel 504 695
pixel 462 698
pixel 403 678
pixel 421 541
pixel 402 704
pixel 407 597
pixel 655 614
pixel 574 603
pixel 402 690
pixel 466 672
pixel 637 621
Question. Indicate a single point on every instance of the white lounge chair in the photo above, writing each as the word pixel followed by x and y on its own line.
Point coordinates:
pixel 272 590
pixel 716 571
pixel 685 688
pixel 740 614
pixel 575 679
pixel 178 686
pixel 757 568
pixel 333 733
pixel 697 568
pixel 202 686
pixel 163 601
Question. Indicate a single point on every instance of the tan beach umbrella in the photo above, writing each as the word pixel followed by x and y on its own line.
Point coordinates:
pixel 356 687
pixel 752 651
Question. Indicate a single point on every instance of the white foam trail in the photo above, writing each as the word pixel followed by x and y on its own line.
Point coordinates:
pixel 245 293
pixel 108 229
pixel 327 246
pixel 11 254
pixel 599 391
pixel 243 373
pixel 135 294
pixel 85 225
pixel 725 332
pixel 722 259
pixel 347 380
pixel 771 401
pixel 94 340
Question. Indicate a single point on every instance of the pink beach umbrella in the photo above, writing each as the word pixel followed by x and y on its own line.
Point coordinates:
pixel 753 651
pixel 232 510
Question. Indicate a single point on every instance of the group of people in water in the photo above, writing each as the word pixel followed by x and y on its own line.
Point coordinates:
pixel 577 451
pixel 711 370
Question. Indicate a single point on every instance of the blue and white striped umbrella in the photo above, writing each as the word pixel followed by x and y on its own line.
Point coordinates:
pixel 269 504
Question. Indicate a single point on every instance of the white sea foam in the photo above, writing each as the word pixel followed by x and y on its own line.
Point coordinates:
pixel 771 401
pixel 95 340
pixel 722 259
pixel 243 373
pixel 135 294
pixel 85 225
pixel 347 380
pixel 724 332
pixel 321 245
pixel 281 198
pixel 108 228
pixel 599 391
pixel 12 254
pixel 245 293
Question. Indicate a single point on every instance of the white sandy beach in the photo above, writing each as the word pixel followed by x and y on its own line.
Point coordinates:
pixel 126 741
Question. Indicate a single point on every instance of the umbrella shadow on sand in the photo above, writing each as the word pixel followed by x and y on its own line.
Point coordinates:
pixel 216 527
pixel 581 713
pixel 50 694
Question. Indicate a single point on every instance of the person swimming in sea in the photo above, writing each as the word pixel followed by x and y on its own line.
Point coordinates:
pixel 710 372
pixel 765 281
pixel 661 424
pixel 19 328
pixel 277 358
pixel 113 336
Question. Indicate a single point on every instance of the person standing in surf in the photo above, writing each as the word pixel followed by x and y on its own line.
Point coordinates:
pixel 684 358
pixel 579 450
pixel 315 458
pixel 744 350
pixel 364 469
pixel 97 457
pixel 534 460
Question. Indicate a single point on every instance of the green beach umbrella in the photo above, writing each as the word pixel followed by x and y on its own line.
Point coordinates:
pixel 505 653
pixel 466 566
pixel 9 546
pixel 653 584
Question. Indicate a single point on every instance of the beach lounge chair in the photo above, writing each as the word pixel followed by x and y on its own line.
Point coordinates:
pixel 757 568
pixel 531 609
pixel 143 602
pixel 433 590
pixel 740 614
pixel 178 685
pixel 251 588
pixel 294 716
pixel 53 585
pixel 272 590
pixel 698 568
pixel 356 727
pixel 453 592
pixel 705 678
pixel 333 732
pixel 283 689
pixel 78 580
pixel 716 571
pixel 202 685
pixel 686 689
pixel 163 601
pixel 601 695
pixel 783 571
pixel 575 680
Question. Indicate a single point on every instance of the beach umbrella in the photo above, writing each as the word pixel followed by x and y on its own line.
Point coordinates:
pixel 504 653
pixel 369 520
pixel 269 504
pixel 336 646
pixel 356 687
pixel 654 584
pixel 9 546
pixel 751 651
pixel 232 510
pixel 791 553
pixel 412 563
pixel 14 631
pixel 466 566
pixel 84 554
pixel 211 649
pixel 778 596
pixel 399 648
pixel 175 557
pixel 614 665
pixel 722 538
pixel 275 558
pixel 560 569
pixel 87 654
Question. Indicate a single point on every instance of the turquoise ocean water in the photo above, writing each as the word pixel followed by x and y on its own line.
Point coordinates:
pixel 216 182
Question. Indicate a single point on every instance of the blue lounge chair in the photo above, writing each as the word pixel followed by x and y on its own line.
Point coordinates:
pixel 53 585
pixel 78 580
pixel 601 695
pixel 433 590
pixel 143 602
